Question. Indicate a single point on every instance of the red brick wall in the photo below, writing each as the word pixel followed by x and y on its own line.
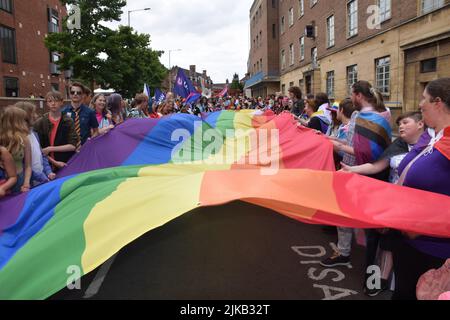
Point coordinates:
pixel 268 47
pixel 402 10
pixel 30 21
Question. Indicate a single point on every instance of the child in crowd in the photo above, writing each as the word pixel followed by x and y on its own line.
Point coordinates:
pixel 41 169
pixel 8 173
pixel 56 132
pixel 14 137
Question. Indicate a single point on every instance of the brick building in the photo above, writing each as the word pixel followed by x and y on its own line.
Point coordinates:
pixel 263 62
pixel 195 77
pixel 328 45
pixel 26 65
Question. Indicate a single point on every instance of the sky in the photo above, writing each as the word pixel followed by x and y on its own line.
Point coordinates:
pixel 212 34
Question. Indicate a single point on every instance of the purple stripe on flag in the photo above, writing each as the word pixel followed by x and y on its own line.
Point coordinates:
pixel 10 209
pixel 110 150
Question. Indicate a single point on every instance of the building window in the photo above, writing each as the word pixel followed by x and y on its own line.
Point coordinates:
pixel 301 8
pixel 283 89
pixel 429 65
pixel 8 43
pixel 352 18
pixel 6 5
pixel 352 77
pixel 260 38
pixel 430 5
pixel 330 32
pixel 274 31
pixel 274 5
pixel 55 87
pixel 282 25
pixel 314 57
pixel 330 84
pixel 53 21
pixel 283 59
pixel 291 17
pixel 302 48
pixel 385 10
pixel 291 54
pixel 260 64
pixel 383 75
pixel 11 87
pixel 312 3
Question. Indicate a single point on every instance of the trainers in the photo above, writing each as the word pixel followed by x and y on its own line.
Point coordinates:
pixel 375 292
pixel 336 260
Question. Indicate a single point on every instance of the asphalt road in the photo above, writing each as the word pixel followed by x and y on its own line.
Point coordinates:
pixel 233 252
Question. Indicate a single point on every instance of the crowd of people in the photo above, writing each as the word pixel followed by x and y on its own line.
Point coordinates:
pixel 33 149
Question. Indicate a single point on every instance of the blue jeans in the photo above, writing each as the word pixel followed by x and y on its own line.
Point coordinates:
pixel 19 183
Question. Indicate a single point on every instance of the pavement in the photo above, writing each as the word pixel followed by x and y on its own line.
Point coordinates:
pixel 233 252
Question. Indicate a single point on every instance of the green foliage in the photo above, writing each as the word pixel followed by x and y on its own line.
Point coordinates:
pixel 236 85
pixel 119 59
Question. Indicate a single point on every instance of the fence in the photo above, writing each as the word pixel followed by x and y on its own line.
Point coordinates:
pixel 40 104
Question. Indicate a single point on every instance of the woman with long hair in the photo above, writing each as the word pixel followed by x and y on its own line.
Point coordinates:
pixel 14 137
pixel 8 172
pixel 104 118
pixel 116 107
pixel 369 135
pixel 41 170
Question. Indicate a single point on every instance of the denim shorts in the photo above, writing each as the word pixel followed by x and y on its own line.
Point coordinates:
pixel 19 183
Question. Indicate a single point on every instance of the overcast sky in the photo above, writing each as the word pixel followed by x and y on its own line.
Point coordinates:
pixel 213 34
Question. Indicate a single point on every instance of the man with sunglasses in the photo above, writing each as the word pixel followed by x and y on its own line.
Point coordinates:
pixel 86 124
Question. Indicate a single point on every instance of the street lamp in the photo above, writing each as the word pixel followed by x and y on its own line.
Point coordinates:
pixel 130 11
pixel 170 68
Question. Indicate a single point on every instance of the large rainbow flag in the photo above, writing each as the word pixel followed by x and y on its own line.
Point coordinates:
pixel 146 173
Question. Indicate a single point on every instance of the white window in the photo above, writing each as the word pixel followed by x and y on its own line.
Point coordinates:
pixel 301 8
pixel 302 48
pixel 291 54
pixel 430 5
pixel 385 10
pixel 314 57
pixel 282 24
pixel 352 77
pixel 291 17
pixel 283 59
pixel 352 18
pixel 383 74
pixel 330 31
pixel 330 84
pixel 312 3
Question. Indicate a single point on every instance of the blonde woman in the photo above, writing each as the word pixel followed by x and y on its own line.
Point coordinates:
pixel 14 137
pixel 104 118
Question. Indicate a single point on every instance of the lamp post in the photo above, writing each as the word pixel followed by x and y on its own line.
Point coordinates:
pixel 130 11
pixel 170 68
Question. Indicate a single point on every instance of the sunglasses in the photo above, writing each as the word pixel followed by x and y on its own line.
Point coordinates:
pixel 76 93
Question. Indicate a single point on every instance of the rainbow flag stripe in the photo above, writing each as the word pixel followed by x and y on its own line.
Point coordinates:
pixel 122 186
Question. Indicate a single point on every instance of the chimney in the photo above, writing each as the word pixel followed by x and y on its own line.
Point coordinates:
pixel 192 69
pixel 204 74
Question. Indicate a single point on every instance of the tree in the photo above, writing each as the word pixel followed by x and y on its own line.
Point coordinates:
pixel 118 59
pixel 236 84
pixel 131 62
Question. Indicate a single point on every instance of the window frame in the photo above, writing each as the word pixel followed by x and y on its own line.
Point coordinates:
pixel 331 32
pixel 380 69
pixel 350 14
pixel 351 70
pixel 13 49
